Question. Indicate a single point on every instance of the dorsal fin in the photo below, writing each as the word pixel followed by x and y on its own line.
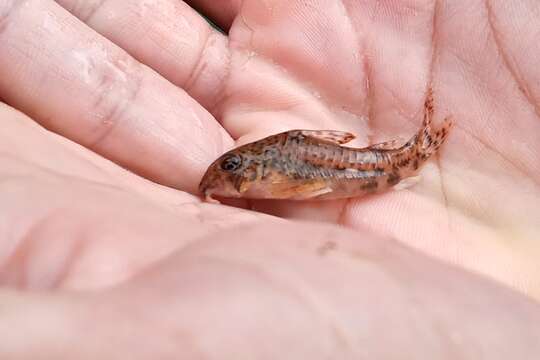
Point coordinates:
pixel 333 136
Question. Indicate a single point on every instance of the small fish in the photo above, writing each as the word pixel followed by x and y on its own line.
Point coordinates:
pixel 313 164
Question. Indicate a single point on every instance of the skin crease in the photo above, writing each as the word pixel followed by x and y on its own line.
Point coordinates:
pixel 99 262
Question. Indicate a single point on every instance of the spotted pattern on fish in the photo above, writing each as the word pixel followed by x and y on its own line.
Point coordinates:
pixel 314 164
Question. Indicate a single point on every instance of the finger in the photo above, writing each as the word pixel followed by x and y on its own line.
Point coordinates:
pixel 80 85
pixel 221 12
pixel 168 36
pixel 73 220
pixel 25 141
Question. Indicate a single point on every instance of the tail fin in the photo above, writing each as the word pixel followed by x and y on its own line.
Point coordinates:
pixel 428 140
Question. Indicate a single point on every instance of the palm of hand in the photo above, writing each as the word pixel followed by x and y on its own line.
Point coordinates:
pixel 354 66
pixel 302 67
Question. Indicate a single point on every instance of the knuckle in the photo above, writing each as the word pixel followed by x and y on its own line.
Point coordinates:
pixel 209 75
pixel 86 9
pixel 116 87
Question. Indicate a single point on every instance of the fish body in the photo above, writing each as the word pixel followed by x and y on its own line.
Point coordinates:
pixel 314 164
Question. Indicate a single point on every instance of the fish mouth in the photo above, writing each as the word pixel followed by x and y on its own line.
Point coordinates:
pixel 203 187
pixel 207 192
pixel 207 181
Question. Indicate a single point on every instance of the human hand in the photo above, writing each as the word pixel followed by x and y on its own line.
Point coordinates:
pixel 88 225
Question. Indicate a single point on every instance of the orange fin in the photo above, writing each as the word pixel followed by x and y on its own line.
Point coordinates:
pixel 244 186
pixel 333 136
pixel 299 190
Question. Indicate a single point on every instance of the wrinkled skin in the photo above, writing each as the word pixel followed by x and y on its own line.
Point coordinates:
pixel 99 262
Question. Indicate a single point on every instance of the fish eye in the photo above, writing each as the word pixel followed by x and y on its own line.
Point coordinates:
pixel 231 162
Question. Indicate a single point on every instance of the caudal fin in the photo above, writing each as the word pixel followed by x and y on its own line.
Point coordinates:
pixel 429 139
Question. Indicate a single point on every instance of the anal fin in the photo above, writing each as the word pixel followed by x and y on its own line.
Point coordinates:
pixel 387 145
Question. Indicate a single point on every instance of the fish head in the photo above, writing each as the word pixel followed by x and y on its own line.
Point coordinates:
pixel 227 175
pixel 251 171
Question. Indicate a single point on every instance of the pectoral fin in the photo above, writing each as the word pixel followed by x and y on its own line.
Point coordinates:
pixel 333 136
pixel 407 182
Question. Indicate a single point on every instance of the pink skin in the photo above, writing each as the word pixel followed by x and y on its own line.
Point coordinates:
pixel 172 277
